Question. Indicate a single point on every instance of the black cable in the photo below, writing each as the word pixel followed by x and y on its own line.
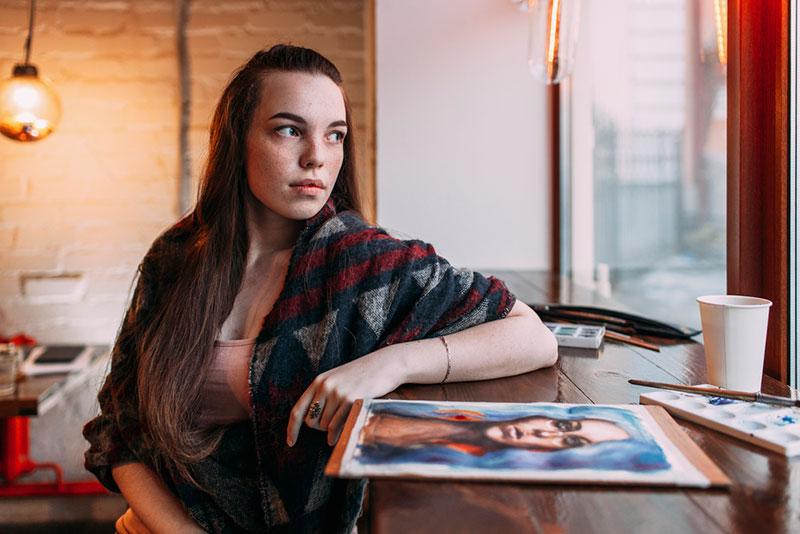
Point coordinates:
pixel 29 40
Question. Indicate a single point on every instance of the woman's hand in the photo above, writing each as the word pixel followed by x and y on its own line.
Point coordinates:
pixel 370 376
pixel 516 344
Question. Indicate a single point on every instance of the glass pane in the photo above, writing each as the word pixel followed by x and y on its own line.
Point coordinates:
pixel 658 111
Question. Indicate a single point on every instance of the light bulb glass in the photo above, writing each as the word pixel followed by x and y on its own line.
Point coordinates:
pixel 553 37
pixel 721 25
pixel 29 108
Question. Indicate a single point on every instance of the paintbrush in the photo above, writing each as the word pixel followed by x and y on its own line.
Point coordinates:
pixel 724 393
pixel 631 340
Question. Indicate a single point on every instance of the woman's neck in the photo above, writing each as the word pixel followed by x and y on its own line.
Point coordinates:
pixel 268 232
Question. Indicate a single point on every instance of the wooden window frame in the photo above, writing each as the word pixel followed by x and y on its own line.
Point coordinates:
pixel 758 165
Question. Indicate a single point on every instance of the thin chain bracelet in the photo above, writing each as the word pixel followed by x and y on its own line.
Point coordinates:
pixel 447 350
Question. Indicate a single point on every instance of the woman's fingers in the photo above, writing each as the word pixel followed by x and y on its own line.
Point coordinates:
pixel 324 405
pixel 298 414
pixel 336 424
pixel 332 403
pixel 318 410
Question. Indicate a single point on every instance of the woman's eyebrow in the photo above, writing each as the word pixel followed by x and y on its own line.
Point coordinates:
pixel 300 120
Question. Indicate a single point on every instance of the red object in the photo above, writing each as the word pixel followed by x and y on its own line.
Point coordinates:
pixel 20 339
pixel 14 462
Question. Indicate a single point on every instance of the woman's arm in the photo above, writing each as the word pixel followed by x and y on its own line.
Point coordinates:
pixel 151 500
pixel 517 344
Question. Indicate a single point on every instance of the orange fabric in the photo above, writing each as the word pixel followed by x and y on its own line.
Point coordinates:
pixel 129 523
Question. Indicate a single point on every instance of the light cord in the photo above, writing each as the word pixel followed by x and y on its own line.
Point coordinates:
pixel 29 39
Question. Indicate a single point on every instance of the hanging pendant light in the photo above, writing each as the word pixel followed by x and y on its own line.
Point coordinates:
pixel 553 38
pixel 29 107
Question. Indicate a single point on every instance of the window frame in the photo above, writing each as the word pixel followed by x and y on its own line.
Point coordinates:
pixel 758 166
pixel 758 172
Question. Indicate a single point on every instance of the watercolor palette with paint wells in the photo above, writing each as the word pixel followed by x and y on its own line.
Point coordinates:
pixel 582 336
pixel 776 428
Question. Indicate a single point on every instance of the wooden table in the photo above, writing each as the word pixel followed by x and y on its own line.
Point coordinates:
pixel 31 392
pixel 765 497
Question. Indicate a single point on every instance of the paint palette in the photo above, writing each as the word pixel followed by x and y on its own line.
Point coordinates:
pixel 776 428
pixel 581 336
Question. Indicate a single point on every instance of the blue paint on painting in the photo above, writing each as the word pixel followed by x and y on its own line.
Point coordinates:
pixel 720 401
pixel 786 420
pixel 639 453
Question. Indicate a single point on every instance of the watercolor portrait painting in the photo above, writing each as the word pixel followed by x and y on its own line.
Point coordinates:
pixel 512 441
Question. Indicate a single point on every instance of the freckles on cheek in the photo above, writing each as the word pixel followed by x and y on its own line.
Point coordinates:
pixel 263 166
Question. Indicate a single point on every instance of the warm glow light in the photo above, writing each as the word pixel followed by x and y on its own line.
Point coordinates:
pixel 553 38
pixel 24 96
pixel 721 19
pixel 29 108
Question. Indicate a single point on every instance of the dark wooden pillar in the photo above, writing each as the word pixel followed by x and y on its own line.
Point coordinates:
pixel 758 164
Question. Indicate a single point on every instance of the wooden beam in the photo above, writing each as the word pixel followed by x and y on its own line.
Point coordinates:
pixel 369 199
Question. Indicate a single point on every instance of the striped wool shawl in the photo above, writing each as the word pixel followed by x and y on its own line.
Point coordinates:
pixel 350 290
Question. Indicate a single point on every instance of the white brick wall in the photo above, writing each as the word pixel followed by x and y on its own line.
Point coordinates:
pixel 79 209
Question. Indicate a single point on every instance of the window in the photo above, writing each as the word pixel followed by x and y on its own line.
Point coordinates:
pixel 647 154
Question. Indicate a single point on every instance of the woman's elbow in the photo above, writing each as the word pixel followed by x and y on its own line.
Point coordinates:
pixel 547 347
pixel 543 347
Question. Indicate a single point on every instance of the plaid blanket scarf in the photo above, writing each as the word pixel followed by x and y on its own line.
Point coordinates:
pixel 350 289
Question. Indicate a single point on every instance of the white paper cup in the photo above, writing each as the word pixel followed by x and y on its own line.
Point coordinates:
pixel 734 333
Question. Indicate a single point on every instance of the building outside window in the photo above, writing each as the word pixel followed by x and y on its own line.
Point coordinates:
pixel 647 154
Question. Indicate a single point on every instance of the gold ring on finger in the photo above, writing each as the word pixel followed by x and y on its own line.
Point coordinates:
pixel 314 410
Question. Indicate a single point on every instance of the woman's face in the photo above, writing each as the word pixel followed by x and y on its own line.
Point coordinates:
pixel 547 433
pixel 295 144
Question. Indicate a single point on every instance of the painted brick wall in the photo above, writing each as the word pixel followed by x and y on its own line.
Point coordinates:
pixel 79 209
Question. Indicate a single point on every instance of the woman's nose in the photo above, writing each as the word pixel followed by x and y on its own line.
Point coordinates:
pixel 312 156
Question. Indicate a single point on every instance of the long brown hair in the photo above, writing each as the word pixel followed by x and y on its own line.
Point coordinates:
pixel 206 270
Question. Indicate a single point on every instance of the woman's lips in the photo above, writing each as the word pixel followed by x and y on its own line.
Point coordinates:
pixel 308 187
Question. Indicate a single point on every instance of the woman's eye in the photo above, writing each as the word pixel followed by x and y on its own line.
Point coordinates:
pixel 566 425
pixel 574 441
pixel 336 137
pixel 288 131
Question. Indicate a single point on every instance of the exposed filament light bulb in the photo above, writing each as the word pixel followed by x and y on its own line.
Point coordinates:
pixel 721 23
pixel 553 38
pixel 29 108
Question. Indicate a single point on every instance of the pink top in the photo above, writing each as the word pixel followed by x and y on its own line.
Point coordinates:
pixel 226 396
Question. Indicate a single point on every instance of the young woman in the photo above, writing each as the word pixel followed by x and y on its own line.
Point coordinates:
pixel 260 316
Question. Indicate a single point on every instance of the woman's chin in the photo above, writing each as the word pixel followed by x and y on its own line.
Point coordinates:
pixel 495 434
pixel 299 210
pixel 305 210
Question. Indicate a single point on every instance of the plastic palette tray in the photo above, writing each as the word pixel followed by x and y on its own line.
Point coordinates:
pixel 581 336
pixel 776 428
